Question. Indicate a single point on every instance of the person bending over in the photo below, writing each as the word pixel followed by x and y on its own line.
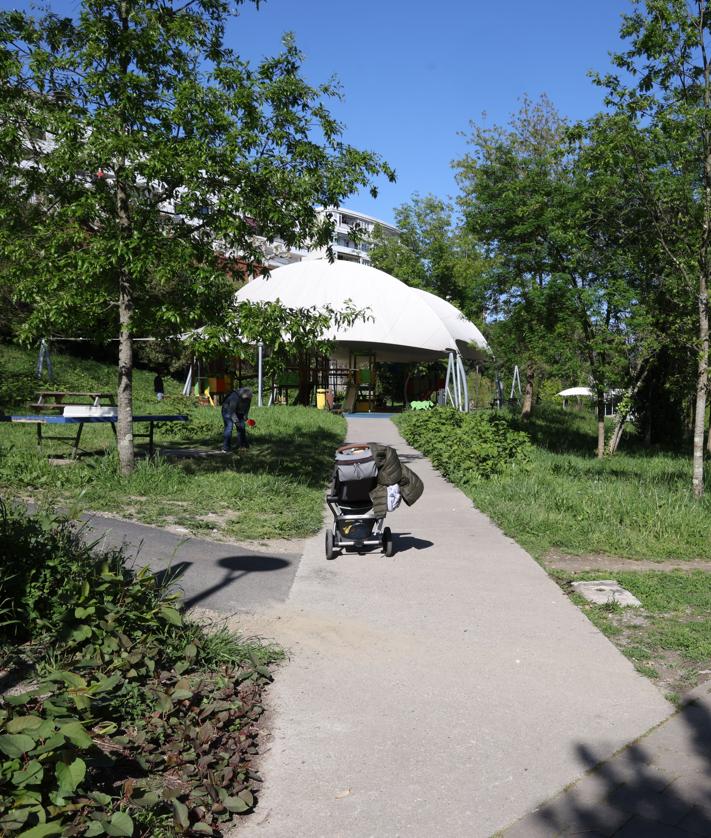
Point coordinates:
pixel 235 409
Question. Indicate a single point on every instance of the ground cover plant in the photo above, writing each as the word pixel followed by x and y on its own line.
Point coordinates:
pixel 633 510
pixel 273 489
pixel 118 716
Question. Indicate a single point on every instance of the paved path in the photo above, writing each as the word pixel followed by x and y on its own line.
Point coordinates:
pixel 658 787
pixel 225 577
pixel 444 692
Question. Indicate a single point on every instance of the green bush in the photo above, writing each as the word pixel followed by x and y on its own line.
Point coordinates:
pixel 466 447
pixel 16 387
pixel 124 717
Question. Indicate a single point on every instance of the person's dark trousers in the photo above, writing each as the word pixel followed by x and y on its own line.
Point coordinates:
pixel 227 438
pixel 241 425
pixel 238 421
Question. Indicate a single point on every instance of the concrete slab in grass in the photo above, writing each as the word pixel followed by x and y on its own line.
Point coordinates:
pixel 606 592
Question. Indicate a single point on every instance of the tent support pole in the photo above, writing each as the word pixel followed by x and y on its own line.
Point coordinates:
pixel 458 379
pixel 189 380
pixel 447 392
pixel 260 358
pixel 465 389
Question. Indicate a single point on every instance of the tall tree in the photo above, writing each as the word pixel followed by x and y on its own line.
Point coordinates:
pixel 163 164
pixel 665 94
pixel 512 189
pixel 434 252
pixel 528 192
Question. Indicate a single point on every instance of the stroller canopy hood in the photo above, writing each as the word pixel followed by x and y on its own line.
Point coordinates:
pixel 402 324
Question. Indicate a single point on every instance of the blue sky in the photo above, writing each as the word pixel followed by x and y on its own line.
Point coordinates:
pixel 415 73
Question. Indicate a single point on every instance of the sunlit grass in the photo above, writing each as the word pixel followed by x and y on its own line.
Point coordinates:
pixel 273 489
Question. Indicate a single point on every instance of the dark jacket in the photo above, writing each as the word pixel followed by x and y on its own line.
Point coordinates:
pixel 237 403
pixel 391 471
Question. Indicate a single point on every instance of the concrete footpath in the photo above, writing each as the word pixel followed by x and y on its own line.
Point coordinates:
pixel 447 691
pixel 657 787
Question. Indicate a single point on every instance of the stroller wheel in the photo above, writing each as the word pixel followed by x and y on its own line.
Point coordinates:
pixel 388 543
pixel 331 553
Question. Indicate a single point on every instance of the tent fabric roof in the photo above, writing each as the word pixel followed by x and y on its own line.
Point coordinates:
pixel 403 324
pixel 469 339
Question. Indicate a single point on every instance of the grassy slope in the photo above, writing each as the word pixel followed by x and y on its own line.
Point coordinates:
pixel 635 505
pixel 274 489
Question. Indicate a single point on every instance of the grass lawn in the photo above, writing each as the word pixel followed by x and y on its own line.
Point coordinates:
pixel 272 490
pixel 635 505
pixel 630 509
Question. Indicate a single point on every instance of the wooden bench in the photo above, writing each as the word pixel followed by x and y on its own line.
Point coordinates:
pixel 58 397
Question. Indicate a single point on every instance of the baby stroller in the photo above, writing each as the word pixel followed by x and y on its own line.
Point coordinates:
pixel 355 524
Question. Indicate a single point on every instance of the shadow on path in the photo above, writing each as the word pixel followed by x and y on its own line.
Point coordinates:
pixel 405 541
pixel 658 787
pixel 235 568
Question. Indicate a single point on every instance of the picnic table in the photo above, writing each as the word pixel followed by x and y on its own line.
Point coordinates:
pixel 40 420
pixel 55 399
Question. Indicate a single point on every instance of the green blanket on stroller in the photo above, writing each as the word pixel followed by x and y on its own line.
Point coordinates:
pixel 390 472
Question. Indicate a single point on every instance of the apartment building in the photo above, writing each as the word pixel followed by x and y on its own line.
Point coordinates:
pixel 352 240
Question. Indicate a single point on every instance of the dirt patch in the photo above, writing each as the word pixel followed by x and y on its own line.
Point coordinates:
pixel 597 561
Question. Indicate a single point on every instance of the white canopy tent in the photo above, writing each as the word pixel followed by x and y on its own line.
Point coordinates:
pixel 403 324
pixel 469 341
pixel 576 391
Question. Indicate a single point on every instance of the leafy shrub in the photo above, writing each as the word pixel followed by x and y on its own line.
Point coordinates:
pixel 16 387
pixel 127 719
pixel 466 447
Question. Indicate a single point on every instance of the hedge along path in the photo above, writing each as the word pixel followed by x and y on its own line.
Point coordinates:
pixel 447 690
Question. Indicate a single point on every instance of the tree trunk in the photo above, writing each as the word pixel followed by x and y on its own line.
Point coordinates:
pixel 702 374
pixel 303 396
pixel 614 442
pixel 600 423
pixel 702 380
pixel 124 424
pixel 528 393
pixel 624 413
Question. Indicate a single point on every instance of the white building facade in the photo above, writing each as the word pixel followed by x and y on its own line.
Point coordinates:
pixel 352 240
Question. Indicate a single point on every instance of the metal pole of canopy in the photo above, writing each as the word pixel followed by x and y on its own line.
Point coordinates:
pixel 446 380
pixel 260 352
pixel 465 389
pixel 455 382
pixel 189 380
pixel 460 383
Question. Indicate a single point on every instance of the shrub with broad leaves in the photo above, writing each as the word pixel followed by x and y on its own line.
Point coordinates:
pixel 119 716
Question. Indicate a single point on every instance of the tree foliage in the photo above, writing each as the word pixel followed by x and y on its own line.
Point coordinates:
pixel 434 252
pixel 665 97
pixel 145 164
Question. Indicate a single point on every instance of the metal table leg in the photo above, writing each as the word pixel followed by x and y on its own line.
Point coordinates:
pixel 75 447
